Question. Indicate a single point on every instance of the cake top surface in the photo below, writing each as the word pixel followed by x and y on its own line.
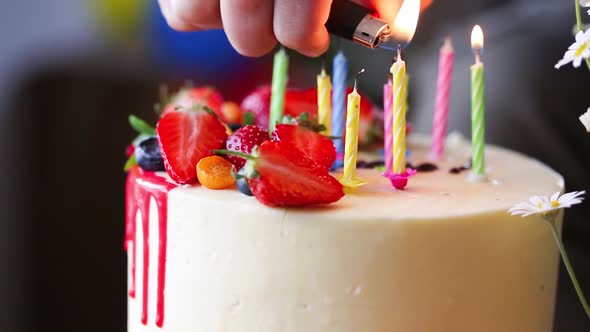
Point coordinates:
pixel 513 177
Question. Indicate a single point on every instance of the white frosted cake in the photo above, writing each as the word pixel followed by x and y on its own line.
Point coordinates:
pixel 443 255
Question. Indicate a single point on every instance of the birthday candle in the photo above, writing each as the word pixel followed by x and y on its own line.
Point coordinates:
pixel 403 30
pixel 388 124
pixel 477 105
pixel 340 73
pixel 398 71
pixel 324 102
pixel 352 133
pixel 279 85
pixel 441 105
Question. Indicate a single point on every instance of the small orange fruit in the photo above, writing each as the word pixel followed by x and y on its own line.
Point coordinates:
pixel 214 172
pixel 232 113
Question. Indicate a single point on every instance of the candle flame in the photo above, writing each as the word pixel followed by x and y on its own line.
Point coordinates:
pixel 477 38
pixel 406 21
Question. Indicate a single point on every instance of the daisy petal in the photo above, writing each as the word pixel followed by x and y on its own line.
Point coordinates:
pixel 585 119
pixel 570 54
pixel 535 200
pixel 580 37
pixel 571 195
pixel 561 63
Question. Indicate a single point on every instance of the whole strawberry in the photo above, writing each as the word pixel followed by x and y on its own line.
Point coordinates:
pixel 196 96
pixel 187 136
pixel 244 140
pixel 315 146
pixel 258 103
pixel 298 102
pixel 282 176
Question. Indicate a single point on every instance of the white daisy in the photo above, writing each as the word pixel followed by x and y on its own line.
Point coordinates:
pixel 585 119
pixel 543 205
pixel 548 208
pixel 578 51
pixel 585 3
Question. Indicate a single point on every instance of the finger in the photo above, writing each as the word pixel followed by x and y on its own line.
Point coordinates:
pixel 385 9
pixel 424 4
pixel 300 25
pixel 248 25
pixel 173 22
pixel 191 15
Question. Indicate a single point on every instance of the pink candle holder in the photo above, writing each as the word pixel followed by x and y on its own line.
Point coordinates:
pixel 399 180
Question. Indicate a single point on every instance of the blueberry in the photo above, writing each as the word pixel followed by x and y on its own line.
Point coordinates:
pixel 148 155
pixel 234 126
pixel 242 183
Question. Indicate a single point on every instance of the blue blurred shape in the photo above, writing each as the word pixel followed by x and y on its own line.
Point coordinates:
pixel 197 54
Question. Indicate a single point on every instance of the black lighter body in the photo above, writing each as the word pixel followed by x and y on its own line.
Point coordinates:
pixel 357 23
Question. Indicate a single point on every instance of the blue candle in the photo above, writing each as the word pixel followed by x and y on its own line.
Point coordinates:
pixel 339 78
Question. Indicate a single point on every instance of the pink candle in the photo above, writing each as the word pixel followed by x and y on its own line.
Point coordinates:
pixel 441 106
pixel 388 125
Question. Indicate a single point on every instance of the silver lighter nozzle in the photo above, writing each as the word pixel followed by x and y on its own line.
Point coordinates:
pixel 369 31
pixel 374 33
pixel 388 42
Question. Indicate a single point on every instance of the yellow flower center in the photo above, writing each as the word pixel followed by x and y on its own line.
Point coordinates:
pixel 581 49
pixel 539 205
pixel 554 204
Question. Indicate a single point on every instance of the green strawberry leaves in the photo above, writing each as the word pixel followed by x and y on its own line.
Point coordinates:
pixel 144 131
pixel 303 120
pixel 141 126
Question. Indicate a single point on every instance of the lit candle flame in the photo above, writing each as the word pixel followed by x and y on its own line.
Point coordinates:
pixel 405 23
pixel 477 38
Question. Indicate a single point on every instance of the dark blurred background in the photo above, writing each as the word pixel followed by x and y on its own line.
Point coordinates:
pixel 71 71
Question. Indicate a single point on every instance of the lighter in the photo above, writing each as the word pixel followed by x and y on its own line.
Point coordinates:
pixel 355 22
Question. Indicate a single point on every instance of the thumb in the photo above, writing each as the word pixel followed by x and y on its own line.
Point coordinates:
pixel 387 9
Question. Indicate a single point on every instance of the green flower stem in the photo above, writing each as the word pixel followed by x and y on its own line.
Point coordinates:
pixel 580 24
pixel 568 266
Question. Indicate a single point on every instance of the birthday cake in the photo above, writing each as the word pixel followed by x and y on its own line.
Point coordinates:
pixel 301 255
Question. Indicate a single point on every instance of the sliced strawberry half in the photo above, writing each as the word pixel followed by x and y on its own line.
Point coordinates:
pixel 199 96
pixel 283 176
pixel 185 138
pixel 317 147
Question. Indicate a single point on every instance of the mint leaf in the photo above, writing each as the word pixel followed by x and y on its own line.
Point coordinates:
pixel 131 162
pixel 248 118
pixel 141 126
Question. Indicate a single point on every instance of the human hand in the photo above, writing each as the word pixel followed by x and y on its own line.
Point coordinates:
pixel 255 26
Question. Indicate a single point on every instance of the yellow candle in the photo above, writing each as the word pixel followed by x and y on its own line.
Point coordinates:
pixel 352 132
pixel 349 179
pixel 325 101
pixel 403 30
pixel 400 88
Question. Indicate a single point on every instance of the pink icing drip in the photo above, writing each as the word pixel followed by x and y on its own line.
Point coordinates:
pixel 141 187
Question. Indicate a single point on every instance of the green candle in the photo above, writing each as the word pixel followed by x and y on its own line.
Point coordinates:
pixel 279 85
pixel 477 106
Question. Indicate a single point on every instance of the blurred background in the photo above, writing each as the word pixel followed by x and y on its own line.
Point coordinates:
pixel 71 71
